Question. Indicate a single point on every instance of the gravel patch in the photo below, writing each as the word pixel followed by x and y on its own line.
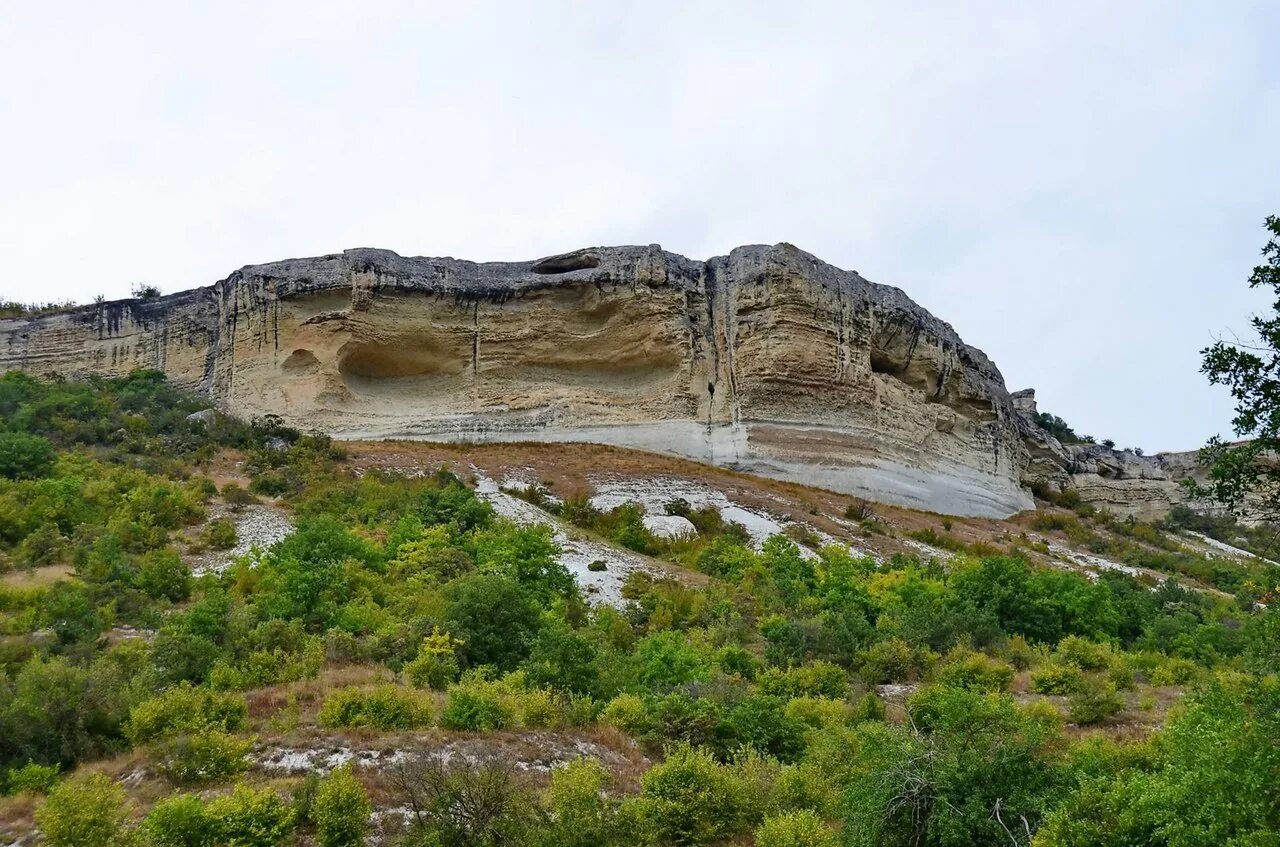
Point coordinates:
pixel 258 526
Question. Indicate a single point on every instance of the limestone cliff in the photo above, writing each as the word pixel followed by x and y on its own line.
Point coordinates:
pixel 767 360
pixel 1121 481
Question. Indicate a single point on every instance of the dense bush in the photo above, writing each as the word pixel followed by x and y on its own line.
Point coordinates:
pixel 340 810
pixel 1094 700
pixel 690 799
pixel 204 756
pixel 184 709
pixel 582 812
pixel 387 707
pixel 249 817
pixel 31 778
pixel 938 778
pixel 795 829
pixel 84 811
pixel 179 821
pixel 24 456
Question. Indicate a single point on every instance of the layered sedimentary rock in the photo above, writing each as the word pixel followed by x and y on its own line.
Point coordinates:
pixel 767 360
pixel 1121 481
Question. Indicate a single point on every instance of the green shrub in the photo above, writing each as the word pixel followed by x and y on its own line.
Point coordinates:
pixel 803 786
pixel 220 534
pixel 974 671
pixel 85 811
pixel 209 755
pixel 304 798
pixel 817 679
pixel 690 799
pixel 627 712
pixel 1093 701
pixel 236 497
pixel 181 821
pixel 270 484
pixel 868 708
pixel 582 815
pixel 31 778
pixel 184 709
pixel 819 712
pixel 386 708
pixel 760 722
pixel 24 456
pixel 1083 653
pixel 436 664
pixel 795 829
pixel 886 661
pixel 341 810
pixel 1175 670
pixel 250 817
pixel 479 705
pixel 1056 678
pixel 164 576
pixel 666 659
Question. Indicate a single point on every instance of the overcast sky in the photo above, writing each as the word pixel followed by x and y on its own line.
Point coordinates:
pixel 1078 187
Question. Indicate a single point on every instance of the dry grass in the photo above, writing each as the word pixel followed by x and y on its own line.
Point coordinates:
pixel 42 577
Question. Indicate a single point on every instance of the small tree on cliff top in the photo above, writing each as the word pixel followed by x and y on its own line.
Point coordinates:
pixel 1245 478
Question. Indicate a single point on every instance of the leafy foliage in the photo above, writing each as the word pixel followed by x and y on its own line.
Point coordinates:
pixel 752 691
pixel 1240 477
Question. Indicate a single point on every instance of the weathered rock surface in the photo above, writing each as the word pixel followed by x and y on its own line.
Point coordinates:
pixel 1123 482
pixel 767 360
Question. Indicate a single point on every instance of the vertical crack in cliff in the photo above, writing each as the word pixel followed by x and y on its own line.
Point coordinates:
pixel 475 352
pixel 730 339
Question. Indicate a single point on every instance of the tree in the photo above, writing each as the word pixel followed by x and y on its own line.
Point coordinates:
pixel 24 456
pixel 1245 478
pixel 494 617
pixel 966 768
pixel 1212 781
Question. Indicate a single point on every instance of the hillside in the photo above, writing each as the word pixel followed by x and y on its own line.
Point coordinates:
pixel 224 632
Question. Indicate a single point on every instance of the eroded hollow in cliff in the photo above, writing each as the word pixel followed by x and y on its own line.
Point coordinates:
pixel 403 357
pixel 301 361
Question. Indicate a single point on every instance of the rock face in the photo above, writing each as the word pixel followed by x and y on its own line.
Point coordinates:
pixel 767 360
pixel 1143 487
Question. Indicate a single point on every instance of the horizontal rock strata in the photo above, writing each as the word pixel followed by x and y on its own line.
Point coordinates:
pixel 767 360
